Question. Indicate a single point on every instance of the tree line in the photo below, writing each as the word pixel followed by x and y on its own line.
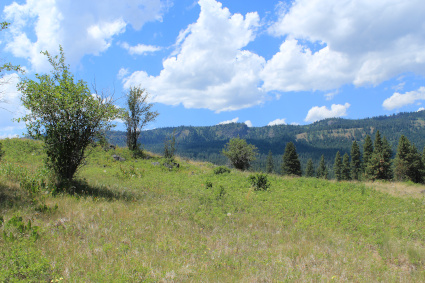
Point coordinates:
pixel 375 163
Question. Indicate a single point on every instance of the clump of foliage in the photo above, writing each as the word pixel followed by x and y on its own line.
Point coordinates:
pixel 240 153
pixel 138 115
pixel 170 147
pixel 259 181
pixel 221 170
pixel 65 115
pixel 1 151
pixel 291 164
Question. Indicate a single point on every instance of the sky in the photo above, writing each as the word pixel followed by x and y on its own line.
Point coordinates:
pixel 208 62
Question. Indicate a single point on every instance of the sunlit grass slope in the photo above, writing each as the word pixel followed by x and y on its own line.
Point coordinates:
pixel 137 221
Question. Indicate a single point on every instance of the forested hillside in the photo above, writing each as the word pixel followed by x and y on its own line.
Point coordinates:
pixel 324 137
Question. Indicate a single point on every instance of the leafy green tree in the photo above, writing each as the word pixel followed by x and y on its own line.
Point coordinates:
pixel 309 171
pixel 64 114
pixel 291 164
pixel 367 151
pixel 338 166
pixel 408 162
pixel 270 163
pixel 356 164
pixel 322 170
pixel 345 170
pixel 240 153
pixel 138 115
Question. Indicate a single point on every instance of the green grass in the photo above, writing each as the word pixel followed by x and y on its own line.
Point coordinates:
pixel 137 221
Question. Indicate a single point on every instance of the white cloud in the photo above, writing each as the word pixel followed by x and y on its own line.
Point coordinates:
pixel 331 95
pixel 81 27
pixel 11 107
pixel 248 123
pixel 277 122
pixel 398 100
pixel 229 121
pixel 420 109
pixel 319 113
pixel 122 73
pixel 140 49
pixel 329 43
pixel 209 68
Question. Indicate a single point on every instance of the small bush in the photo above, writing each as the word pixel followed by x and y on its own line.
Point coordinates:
pixel 221 170
pixel 259 182
pixel 208 185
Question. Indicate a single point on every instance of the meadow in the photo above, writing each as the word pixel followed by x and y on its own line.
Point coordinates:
pixel 140 221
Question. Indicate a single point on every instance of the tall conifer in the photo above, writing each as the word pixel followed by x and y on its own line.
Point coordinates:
pixel 337 166
pixel 367 151
pixel 322 170
pixel 345 170
pixel 291 164
pixel 355 161
pixel 270 163
pixel 309 171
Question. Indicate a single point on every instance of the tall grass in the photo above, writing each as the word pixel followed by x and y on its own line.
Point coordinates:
pixel 140 221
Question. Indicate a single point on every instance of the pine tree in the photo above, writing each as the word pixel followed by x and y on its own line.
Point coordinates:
pixel 345 172
pixel 337 166
pixel 356 163
pixel 322 170
pixel 367 151
pixel 309 171
pixel 291 164
pixel 387 155
pixel 401 163
pixel 408 162
pixel 379 165
pixel 270 163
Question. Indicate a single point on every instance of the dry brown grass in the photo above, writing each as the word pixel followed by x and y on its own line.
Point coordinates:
pixel 399 189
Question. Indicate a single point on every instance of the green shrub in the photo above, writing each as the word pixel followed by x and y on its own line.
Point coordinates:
pixel 259 181
pixel 208 185
pixel 221 170
pixel 1 151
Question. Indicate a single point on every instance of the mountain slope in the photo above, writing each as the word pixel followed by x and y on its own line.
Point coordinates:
pixel 323 137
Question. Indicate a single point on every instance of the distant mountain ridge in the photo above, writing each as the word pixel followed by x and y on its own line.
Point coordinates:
pixel 323 137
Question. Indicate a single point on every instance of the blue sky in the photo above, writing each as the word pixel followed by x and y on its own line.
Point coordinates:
pixel 208 62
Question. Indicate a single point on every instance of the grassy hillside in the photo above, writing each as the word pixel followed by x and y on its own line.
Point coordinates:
pixel 138 221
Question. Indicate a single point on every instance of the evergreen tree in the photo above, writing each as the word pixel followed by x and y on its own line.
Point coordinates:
pixel 387 155
pixel 379 165
pixel 337 166
pixel 408 162
pixel 270 163
pixel 309 171
pixel 345 172
pixel 291 164
pixel 367 151
pixel 355 161
pixel 322 170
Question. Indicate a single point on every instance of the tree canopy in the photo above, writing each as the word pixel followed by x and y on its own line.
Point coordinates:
pixel 65 114
pixel 240 153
